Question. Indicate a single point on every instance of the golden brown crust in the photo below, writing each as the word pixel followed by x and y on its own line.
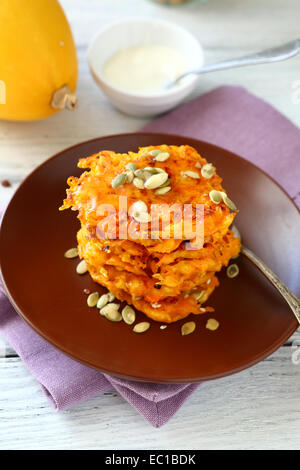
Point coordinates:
pixel 159 277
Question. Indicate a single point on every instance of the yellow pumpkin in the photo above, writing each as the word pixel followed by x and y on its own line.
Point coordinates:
pixel 38 62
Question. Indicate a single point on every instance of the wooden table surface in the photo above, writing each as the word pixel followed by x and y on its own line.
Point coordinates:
pixel 257 408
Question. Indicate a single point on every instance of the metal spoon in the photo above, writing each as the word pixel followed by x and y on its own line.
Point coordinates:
pixel 284 291
pixel 274 54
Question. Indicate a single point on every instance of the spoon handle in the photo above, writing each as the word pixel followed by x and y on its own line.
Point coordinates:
pixel 287 294
pixel 269 55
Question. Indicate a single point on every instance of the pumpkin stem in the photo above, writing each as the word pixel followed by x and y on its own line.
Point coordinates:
pixel 64 99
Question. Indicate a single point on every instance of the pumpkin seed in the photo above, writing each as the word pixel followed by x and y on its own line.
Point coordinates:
pixel 198 295
pixel 111 297
pixel 141 327
pixel 191 174
pixel 163 327
pixel 93 299
pixel 138 183
pixel 159 170
pixel 113 315
pixel 142 217
pixel 164 190
pixel 129 176
pixel 142 174
pixel 162 157
pixel 119 180
pixel 154 153
pixel 229 203
pixel 131 166
pixel 236 232
pixel 155 181
pixel 109 309
pixel 232 271
pixel 198 165
pixel 71 253
pixel 138 206
pixel 215 196
pixel 147 175
pixel 128 315
pixel 188 328
pixel 207 171
pixel 152 170
pixel 155 305
pixel 103 300
pixel 81 267
pixel 167 183
pixel 212 324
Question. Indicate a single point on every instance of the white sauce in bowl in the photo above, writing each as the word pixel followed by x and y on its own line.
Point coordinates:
pixel 144 68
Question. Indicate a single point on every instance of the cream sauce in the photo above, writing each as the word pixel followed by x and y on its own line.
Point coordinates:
pixel 144 69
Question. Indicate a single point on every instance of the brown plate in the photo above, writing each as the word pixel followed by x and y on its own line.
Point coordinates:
pixel 48 294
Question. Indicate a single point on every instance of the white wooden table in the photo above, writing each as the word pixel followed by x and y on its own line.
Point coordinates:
pixel 257 408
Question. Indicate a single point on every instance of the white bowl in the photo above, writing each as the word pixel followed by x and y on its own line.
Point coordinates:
pixel 137 31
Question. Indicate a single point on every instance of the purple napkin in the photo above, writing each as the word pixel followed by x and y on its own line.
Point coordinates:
pixel 229 117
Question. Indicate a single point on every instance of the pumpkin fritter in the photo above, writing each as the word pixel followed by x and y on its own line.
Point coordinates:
pixel 159 276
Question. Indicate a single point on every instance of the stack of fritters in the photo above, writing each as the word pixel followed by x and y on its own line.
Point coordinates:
pixel 158 275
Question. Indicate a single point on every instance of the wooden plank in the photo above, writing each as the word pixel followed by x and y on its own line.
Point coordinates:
pixel 257 408
pixel 6 350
